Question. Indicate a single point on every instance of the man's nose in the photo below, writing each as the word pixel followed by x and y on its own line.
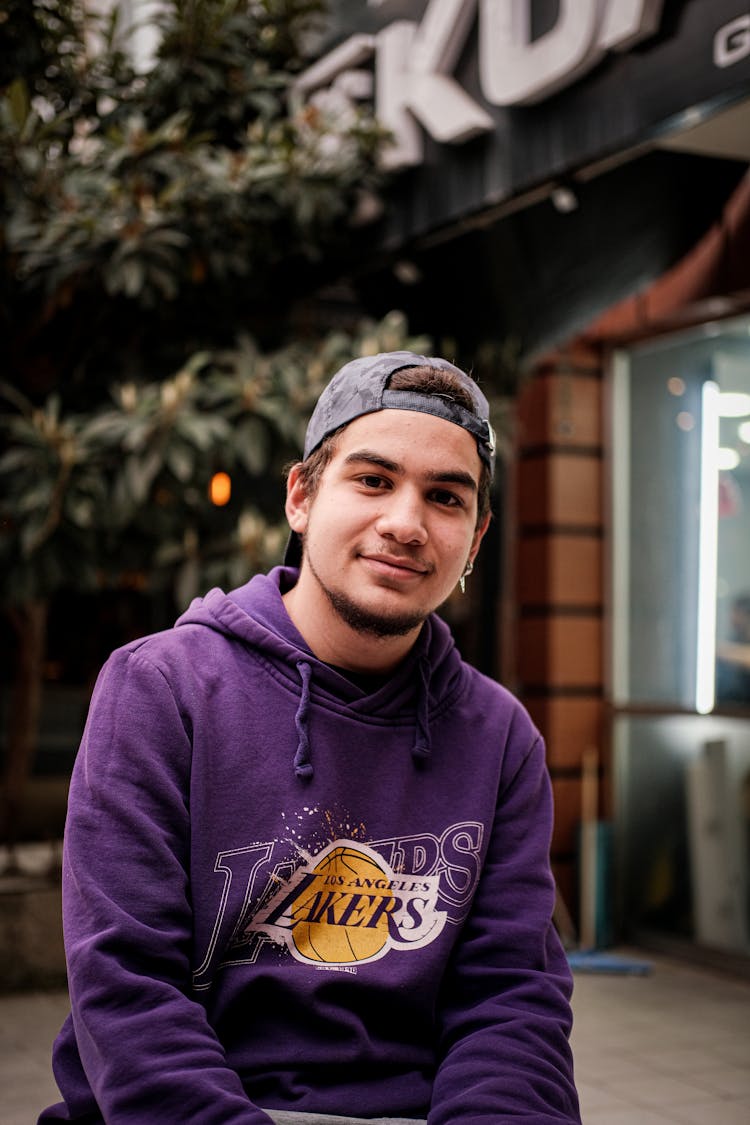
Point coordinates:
pixel 403 517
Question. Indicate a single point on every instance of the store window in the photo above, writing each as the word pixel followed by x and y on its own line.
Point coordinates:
pixel 681 633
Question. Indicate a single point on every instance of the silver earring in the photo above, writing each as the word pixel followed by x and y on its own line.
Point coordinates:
pixel 465 575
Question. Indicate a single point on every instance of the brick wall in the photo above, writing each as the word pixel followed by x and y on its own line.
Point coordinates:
pixel 559 575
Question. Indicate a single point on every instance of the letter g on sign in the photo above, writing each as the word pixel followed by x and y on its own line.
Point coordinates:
pixel 732 42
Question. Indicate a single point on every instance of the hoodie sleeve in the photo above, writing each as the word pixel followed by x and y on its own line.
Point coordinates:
pixel 146 1047
pixel 505 1014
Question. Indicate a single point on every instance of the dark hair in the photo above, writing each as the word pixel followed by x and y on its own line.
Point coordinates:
pixel 426 380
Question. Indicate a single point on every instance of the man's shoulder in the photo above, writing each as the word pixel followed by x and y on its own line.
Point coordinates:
pixel 188 642
pixel 486 685
pixel 485 696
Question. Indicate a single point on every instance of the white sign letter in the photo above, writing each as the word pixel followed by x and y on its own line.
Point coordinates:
pixel 732 42
pixel 513 70
pixel 391 95
pixel 627 22
pixel 412 77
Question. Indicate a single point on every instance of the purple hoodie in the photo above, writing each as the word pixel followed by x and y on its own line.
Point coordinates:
pixel 283 889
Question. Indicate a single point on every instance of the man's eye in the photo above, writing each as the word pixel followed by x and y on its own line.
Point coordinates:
pixel 447 499
pixel 369 480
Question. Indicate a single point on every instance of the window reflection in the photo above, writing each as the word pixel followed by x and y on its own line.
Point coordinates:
pixel 681 635
pixel 682 486
pixel 733 655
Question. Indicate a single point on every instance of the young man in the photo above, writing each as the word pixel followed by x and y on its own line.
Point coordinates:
pixel 306 863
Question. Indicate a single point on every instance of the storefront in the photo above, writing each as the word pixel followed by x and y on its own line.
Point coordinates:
pixel 681 631
pixel 570 202
pixel 679 684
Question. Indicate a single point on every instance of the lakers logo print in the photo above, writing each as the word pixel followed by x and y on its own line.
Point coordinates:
pixel 348 940
pixel 346 906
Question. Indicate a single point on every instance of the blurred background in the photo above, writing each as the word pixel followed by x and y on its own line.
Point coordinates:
pixel 210 205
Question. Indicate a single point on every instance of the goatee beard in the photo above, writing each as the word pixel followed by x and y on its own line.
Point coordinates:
pixel 376 624
pixel 364 621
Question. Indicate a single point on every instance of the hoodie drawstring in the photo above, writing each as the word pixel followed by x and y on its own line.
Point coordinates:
pixel 423 743
pixel 421 749
pixel 302 764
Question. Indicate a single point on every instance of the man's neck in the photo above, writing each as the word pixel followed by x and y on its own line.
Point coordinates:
pixel 335 642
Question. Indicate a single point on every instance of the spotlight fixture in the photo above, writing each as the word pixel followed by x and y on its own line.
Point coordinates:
pixel 564 199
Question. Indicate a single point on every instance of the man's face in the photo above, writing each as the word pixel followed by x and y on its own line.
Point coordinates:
pixel 392 524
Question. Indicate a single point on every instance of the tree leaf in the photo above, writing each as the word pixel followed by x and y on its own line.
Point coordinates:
pixel 180 461
pixel 252 444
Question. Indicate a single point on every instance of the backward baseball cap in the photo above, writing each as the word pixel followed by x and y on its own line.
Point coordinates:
pixel 361 387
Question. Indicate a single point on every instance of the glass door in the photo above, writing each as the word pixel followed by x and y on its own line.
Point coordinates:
pixel 680 654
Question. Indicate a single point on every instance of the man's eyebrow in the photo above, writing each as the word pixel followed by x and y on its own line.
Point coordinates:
pixel 454 476
pixel 373 458
pixel 439 476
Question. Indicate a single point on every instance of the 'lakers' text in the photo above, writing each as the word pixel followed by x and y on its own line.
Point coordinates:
pixel 349 903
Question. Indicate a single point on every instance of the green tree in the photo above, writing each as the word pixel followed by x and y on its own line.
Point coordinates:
pixel 156 228
pixel 148 215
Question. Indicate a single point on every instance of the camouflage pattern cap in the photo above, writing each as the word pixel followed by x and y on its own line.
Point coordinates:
pixel 361 387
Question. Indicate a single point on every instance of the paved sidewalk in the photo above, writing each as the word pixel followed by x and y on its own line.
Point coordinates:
pixel 673 1046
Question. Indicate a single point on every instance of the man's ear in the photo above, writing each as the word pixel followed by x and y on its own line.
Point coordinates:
pixel 478 537
pixel 297 505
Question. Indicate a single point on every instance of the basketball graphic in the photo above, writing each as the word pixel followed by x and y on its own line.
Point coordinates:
pixel 351 922
pixel 346 905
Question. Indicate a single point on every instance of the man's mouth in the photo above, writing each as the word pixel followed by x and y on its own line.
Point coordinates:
pixel 399 566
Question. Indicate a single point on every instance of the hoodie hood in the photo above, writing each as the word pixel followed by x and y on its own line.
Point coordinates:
pixel 427 681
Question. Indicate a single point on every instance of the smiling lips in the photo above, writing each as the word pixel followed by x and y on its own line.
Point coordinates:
pixel 400 567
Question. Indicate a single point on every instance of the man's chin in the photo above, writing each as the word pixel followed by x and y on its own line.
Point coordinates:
pixel 374 622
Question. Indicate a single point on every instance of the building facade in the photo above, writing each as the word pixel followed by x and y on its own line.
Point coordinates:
pixel 569 211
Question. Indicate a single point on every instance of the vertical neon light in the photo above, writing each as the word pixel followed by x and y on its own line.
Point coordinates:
pixel 705 678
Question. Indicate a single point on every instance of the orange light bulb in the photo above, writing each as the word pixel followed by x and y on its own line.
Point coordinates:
pixel 220 489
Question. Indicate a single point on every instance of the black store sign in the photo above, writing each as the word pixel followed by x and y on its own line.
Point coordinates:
pixel 491 99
